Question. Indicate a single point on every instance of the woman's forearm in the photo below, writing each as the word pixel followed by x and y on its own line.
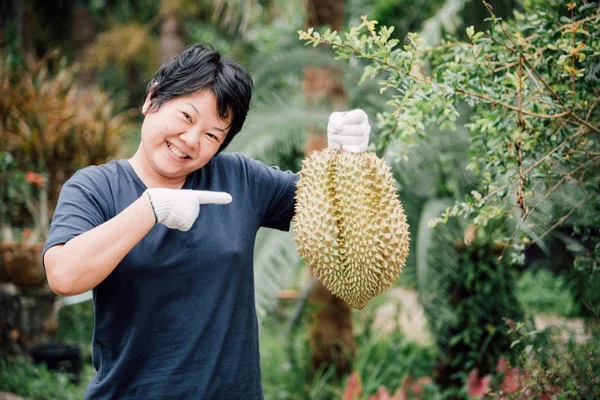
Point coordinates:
pixel 86 260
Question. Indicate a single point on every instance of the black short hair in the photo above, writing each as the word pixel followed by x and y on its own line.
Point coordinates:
pixel 199 67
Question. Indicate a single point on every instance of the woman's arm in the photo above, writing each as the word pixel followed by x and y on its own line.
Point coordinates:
pixel 86 260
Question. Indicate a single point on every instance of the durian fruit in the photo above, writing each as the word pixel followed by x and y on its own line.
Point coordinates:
pixel 350 227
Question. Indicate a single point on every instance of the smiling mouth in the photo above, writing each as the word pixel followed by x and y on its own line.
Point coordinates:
pixel 176 152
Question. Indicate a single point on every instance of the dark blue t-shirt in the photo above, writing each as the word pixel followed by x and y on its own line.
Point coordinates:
pixel 176 319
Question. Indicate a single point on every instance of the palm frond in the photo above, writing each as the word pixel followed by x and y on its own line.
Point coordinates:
pixel 437 265
pixel 291 60
pixel 447 19
pixel 237 14
pixel 275 263
pixel 436 164
pixel 544 212
pixel 278 123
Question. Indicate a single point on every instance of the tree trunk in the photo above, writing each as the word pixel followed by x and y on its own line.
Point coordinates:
pixel 83 33
pixel 24 11
pixel 330 334
pixel 171 40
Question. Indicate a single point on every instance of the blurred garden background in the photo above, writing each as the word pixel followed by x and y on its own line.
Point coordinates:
pixel 487 112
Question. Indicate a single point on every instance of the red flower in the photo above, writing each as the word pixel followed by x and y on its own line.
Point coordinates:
pixel 353 388
pixel 412 389
pixel 26 233
pixel 502 366
pixel 417 387
pixel 476 387
pixel 512 376
pixel 37 179
pixel 511 381
pixel 30 176
pixel 384 394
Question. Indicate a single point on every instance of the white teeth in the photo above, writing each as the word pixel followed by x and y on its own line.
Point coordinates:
pixel 175 151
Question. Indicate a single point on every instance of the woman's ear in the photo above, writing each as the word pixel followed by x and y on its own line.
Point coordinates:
pixel 148 101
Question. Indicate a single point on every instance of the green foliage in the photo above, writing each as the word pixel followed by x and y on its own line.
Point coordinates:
pixel 434 170
pixel 52 127
pixel 586 290
pixel 532 86
pixel 482 295
pixel 76 323
pixel 405 15
pixel 13 187
pixel 36 382
pixel 467 288
pixel 552 366
pixel 381 359
pixel 123 57
pixel 106 11
pixel 389 360
pixel 283 377
pixel 275 263
pixel 540 292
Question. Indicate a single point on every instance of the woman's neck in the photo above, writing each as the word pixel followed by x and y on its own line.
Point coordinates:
pixel 149 176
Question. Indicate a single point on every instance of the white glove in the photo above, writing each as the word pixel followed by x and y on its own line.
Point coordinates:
pixel 179 208
pixel 348 131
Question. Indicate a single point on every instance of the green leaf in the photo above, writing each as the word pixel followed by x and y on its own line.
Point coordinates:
pixel 470 31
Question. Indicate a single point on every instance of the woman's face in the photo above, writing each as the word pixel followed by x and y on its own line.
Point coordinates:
pixel 181 136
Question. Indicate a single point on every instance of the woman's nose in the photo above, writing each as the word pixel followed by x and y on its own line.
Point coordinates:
pixel 191 138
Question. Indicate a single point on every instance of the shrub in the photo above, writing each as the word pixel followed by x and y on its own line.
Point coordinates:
pixel 381 360
pixel 35 382
pixel 548 366
pixel 52 127
pixel 76 323
pixel 541 292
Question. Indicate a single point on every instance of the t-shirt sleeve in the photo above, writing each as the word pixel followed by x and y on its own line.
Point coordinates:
pixel 274 195
pixel 81 206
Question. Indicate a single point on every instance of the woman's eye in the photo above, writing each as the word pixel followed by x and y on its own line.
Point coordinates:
pixel 213 137
pixel 187 116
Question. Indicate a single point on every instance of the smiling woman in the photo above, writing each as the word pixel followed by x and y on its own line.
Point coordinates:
pixel 195 105
pixel 178 139
pixel 173 287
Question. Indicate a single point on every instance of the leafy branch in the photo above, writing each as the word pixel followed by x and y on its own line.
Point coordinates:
pixel 533 105
pixel 537 74
pixel 311 38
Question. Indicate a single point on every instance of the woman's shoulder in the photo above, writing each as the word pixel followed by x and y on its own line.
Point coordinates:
pixel 230 159
pixel 231 164
pixel 236 160
pixel 98 174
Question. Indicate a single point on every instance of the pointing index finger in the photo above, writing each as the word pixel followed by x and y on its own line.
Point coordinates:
pixel 210 197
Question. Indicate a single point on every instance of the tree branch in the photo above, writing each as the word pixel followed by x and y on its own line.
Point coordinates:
pixel 538 162
pixel 442 86
pixel 560 182
pixel 563 219
pixel 537 74
pixel 587 117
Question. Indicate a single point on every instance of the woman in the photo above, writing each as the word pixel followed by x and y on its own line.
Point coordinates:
pixel 165 239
